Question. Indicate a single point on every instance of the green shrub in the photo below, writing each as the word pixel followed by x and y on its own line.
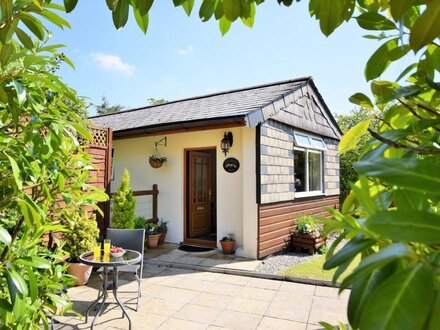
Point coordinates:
pixel 139 222
pixel 308 224
pixel 162 227
pixel 124 205
pixel 82 235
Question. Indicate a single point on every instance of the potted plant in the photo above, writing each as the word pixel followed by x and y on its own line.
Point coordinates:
pixel 162 229
pixel 81 237
pixel 228 244
pixel 308 234
pixel 152 235
pixel 157 161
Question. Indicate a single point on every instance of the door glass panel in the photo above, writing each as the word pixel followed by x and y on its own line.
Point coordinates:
pixel 314 171
pixel 300 170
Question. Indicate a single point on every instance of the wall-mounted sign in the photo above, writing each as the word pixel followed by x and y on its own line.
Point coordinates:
pixel 231 165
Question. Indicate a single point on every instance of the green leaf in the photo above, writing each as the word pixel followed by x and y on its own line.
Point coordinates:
pixel 418 174
pixel 349 251
pixel 376 261
pixel 188 6
pixel 120 13
pixel 33 285
pixel 33 261
pixel 434 320
pixel 30 211
pixel 24 38
pixel 224 25
pixel 401 299
pixel 406 225
pixel 375 21
pixel 142 21
pixel 427 26
pixel 406 71
pixel 248 15
pixel 231 9
pixel 111 4
pixel 399 7
pixel 5 238
pixel 144 6
pixel 15 171
pixel 382 58
pixel 331 13
pixel 53 18
pixel 5 53
pixel 206 10
pixel 350 139
pixel 362 100
pixel 33 25
pixel 16 283
pixel 70 5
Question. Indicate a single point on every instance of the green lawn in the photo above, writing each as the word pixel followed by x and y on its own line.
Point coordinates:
pixel 313 269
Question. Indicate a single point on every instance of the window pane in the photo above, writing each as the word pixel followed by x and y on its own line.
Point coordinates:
pixel 318 143
pixel 300 170
pixel 314 171
pixel 302 140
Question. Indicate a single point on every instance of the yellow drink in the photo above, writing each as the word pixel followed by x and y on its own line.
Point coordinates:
pixel 97 252
pixel 106 246
pixel 106 258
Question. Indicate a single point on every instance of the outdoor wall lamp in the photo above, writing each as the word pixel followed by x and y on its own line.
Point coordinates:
pixel 226 142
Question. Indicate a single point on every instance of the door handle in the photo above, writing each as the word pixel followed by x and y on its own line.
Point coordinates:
pixel 200 208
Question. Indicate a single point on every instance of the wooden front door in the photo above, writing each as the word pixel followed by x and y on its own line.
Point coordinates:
pixel 200 193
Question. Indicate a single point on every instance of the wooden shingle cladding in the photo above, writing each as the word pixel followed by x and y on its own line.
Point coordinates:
pixel 277 221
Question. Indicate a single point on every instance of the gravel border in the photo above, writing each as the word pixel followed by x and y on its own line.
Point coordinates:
pixel 273 264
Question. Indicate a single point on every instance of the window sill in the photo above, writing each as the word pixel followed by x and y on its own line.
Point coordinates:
pixel 309 194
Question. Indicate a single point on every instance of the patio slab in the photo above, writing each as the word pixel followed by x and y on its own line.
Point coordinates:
pixel 209 295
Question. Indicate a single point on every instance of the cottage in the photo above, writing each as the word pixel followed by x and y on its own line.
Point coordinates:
pixel 245 161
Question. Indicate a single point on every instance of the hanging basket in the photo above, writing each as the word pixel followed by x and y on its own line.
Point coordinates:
pixel 155 163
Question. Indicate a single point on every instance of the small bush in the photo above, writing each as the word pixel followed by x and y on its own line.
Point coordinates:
pixel 82 235
pixel 323 249
pixel 308 224
pixel 124 205
pixel 139 222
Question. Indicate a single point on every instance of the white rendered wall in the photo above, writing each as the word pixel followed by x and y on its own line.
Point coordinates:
pixel 235 208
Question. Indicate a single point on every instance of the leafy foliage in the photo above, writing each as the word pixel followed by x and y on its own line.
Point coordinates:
pixel 43 167
pixel 124 205
pixel 308 224
pixel 153 101
pixel 82 235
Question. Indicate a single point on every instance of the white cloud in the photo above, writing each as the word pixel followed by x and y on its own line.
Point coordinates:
pixel 185 51
pixel 113 63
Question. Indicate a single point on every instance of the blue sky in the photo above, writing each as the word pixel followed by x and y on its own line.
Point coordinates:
pixel 182 57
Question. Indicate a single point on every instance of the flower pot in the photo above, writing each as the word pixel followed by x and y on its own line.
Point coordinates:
pixel 80 271
pixel 152 241
pixel 162 238
pixel 155 163
pixel 305 241
pixel 228 246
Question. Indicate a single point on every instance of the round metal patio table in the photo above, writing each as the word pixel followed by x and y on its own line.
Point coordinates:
pixel 130 257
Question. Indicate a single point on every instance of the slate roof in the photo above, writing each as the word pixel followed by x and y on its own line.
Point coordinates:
pixel 228 104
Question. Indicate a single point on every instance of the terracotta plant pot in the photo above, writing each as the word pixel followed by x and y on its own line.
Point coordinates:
pixel 162 239
pixel 228 246
pixel 80 271
pixel 152 241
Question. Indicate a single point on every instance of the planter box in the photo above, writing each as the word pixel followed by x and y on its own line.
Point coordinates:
pixel 305 241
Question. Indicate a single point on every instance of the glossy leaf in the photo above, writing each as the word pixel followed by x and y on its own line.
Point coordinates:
pixel 349 251
pixel 406 225
pixel 403 297
pixel 376 261
pixel 142 21
pixel 206 10
pixel 30 211
pixel 330 13
pixel 351 138
pixel 120 13
pixel 427 26
pixel 70 5
pixel 5 238
pixel 418 174
pixel 24 38
pixel 33 285
pixel 361 100
pixel 434 320
pixel 382 58
pixel 15 171
pixel 33 25
pixel 375 21
pixel 111 4
pixel 188 6
pixel 398 7
pixel 231 9
pixel 224 25
pixel 144 6
pixel 16 283
pixel 248 15
pixel 34 261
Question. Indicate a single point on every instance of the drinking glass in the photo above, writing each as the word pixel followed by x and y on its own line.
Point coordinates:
pixel 97 251
pixel 107 246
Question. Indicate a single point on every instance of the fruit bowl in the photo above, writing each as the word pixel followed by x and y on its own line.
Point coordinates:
pixel 117 252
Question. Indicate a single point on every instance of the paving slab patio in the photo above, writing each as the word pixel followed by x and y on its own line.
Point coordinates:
pixel 183 290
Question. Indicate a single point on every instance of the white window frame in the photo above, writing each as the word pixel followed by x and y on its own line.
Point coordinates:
pixel 310 148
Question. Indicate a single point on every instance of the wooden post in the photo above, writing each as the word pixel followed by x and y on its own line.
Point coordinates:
pixel 155 193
